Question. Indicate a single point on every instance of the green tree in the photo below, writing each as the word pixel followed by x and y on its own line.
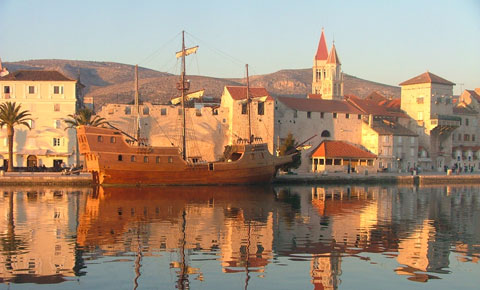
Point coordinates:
pixel 84 116
pixel 288 147
pixel 11 116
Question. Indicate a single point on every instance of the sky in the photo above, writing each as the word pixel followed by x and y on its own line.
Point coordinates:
pixel 382 41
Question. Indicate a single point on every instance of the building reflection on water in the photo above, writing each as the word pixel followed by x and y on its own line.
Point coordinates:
pixel 47 235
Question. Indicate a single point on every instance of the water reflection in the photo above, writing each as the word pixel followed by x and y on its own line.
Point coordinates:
pixel 201 237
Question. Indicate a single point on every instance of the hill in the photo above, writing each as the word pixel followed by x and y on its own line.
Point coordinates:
pixel 110 82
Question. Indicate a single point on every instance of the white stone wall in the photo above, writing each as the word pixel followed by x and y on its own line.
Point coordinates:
pixel 207 131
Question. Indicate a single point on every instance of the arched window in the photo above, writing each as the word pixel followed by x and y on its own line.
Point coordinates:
pixel 325 133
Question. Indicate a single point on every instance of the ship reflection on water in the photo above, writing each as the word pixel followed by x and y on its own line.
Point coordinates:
pixel 300 237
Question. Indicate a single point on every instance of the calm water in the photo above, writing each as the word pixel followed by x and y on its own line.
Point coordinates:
pixel 297 237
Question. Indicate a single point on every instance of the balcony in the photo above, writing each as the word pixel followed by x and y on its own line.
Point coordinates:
pixel 444 124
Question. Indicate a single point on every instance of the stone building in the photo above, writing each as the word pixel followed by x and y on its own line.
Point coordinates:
pixel 427 99
pixel 321 119
pixel 49 97
pixel 395 145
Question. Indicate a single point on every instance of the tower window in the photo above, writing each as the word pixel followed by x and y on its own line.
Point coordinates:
pixel 261 108
pixel 244 109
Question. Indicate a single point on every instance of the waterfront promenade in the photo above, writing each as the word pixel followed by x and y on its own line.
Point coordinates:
pixel 45 178
pixel 424 178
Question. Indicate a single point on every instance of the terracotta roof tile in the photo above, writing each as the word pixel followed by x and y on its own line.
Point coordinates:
pixel 333 57
pixel 319 105
pixel 386 127
pixel 240 92
pixel 463 109
pixel 314 96
pixel 36 75
pixel 472 94
pixel 340 149
pixel 427 77
pixel 376 97
pixel 322 52
pixel 371 107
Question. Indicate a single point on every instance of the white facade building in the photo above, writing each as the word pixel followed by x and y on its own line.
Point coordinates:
pixel 49 97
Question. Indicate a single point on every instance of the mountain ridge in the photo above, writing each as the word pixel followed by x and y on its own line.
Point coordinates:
pixel 111 82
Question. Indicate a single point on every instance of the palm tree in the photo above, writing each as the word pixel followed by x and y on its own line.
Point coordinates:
pixel 85 116
pixel 11 116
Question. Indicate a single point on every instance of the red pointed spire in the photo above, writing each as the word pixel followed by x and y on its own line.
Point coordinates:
pixel 322 52
pixel 332 56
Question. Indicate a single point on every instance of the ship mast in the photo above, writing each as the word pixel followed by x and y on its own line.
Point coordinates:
pixel 184 121
pixel 250 136
pixel 183 86
pixel 137 107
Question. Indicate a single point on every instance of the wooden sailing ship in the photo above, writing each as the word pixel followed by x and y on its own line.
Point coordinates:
pixel 116 158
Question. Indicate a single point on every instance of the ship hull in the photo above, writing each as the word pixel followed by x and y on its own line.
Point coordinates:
pixel 112 161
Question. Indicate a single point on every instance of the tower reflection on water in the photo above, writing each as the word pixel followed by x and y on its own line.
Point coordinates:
pixel 52 235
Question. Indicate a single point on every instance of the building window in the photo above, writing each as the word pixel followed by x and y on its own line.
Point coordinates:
pixel 329 162
pixel 113 140
pixel 31 89
pixel 309 115
pixel 120 157
pixel 347 116
pixel 466 122
pixel 261 108
pixel 133 158
pixel 163 111
pixel 325 133
pixel 6 89
pixel 170 159
pixel 321 115
pixel 359 116
pixel 56 142
pixel 128 110
pixel 244 109
pixel 157 159
pixel 58 90
pixel 146 111
pixel 56 107
pixel 466 137
pixel 334 115
pixel 99 138
pixel 215 112
pixel 321 162
pixel 295 114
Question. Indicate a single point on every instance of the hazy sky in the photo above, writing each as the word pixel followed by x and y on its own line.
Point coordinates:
pixel 383 41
